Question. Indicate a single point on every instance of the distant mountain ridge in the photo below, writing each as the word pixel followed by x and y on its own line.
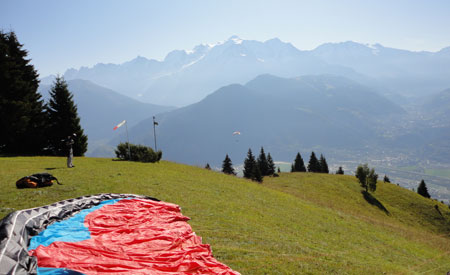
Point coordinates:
pixel 186 77
pixel 406 72
pixel 283 115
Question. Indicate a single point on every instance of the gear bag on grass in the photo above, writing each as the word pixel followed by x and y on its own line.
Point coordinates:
pixel 36 180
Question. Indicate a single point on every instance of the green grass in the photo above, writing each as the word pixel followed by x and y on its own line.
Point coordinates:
pixel 299 223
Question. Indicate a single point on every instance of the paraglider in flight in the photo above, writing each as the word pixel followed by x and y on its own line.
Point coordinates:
pixel 236 134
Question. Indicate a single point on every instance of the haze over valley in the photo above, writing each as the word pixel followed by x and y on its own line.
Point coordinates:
pixel 354 102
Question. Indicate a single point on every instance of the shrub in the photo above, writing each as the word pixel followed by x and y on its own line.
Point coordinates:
pixel 134 152
pixel 367 177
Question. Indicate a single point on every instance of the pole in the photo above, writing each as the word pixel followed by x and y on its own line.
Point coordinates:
pixel 154 133
pixel 128 141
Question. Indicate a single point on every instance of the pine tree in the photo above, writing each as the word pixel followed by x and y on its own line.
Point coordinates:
pixel 249 163
pixel 292 168
pixel 271 170
pixel 257 175
pixel 299 165
pixel 361 173
pixel 64 120
pixel 340 171
pixel 372 178
pixel 227 166
pixel 22 113
pixel 423 190
pixel 323 165
pixel 207 167
pixel 313 165
pixel 262 163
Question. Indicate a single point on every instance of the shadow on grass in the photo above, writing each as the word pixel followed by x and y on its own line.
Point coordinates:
pixel 373 201
pixel 439 211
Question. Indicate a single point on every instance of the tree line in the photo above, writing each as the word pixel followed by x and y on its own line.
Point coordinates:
pixel 257 168
pixel 314 165
pixel 29 125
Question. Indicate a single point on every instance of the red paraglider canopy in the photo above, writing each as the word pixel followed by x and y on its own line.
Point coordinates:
pixel 124 236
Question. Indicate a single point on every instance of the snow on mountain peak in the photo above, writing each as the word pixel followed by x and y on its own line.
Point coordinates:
pixel 375 48
pixel 235 39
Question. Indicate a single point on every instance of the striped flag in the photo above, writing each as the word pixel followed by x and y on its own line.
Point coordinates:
pixel 120 124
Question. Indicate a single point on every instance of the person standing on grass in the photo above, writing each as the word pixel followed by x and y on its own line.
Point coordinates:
pixel 69 143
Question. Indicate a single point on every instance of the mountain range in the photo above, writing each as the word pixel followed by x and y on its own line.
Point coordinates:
pixel 285 115
pixel 185 77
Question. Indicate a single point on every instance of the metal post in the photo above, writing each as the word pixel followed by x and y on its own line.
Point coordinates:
pixel 128 141
pixel 154 133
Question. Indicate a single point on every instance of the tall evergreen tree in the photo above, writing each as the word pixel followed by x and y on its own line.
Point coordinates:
pixel 227 166
pixel 323 165
pixel 64 120
pixel 22 113
pixel 249 164
pixel 423 190
pixel 313 165
pixel 299 165
pixel 271 170
pixel 262 163
pixel 257 175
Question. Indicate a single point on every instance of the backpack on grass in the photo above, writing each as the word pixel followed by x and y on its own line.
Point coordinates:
pixel 36 181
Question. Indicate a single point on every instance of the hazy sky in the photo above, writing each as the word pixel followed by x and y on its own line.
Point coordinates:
pixel 62 34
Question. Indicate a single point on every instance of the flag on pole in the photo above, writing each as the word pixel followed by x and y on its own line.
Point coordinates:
pixel 155 123
pixel 120 124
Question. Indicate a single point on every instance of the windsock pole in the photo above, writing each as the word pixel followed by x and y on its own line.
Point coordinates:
pixel 154 132
pixel 128 142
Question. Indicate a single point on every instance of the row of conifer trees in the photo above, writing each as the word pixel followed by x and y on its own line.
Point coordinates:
pixel 257 168
pixel 314 165
pixel 254 168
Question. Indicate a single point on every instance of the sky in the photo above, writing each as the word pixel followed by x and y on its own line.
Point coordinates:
pixel 63 34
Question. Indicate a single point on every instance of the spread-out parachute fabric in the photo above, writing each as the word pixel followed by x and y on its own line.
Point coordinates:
pixel 104 234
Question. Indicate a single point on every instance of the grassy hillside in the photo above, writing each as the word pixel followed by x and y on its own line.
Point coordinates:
pixel 296 224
